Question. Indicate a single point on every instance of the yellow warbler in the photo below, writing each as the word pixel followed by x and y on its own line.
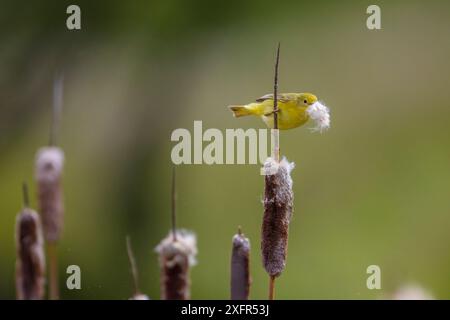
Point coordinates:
pixel 294 110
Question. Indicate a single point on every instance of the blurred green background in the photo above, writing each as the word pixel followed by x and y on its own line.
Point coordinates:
pixel 372 190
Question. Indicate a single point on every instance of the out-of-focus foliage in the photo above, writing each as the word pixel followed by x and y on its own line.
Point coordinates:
pixel 372 190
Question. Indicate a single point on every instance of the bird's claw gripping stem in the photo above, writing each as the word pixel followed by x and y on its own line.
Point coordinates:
pixel 271 113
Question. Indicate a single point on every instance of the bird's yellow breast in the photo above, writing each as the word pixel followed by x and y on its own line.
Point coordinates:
pixel 290 114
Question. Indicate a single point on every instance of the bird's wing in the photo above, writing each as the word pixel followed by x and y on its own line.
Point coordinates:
pixel 283 97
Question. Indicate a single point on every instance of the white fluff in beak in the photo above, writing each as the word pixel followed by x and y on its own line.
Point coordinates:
pixel 321 116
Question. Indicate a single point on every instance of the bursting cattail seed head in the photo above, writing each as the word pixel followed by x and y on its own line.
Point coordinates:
pixel 240 268
pixel 176 256
pixel 48 172
pixel 30 264
pixel 278 207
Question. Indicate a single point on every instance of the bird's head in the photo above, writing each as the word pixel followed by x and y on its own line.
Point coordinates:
pixel 306 99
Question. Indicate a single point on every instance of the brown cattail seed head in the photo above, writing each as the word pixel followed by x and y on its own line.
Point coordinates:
pixel 175 259
pixel 240 274
pixel 49 166
pixel 278 206
pixel 30 264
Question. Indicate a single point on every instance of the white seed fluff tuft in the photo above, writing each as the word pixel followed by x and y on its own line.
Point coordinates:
pixel 185 244
pixel 321 116
pixel 271 167
pixel 49 164
pixel 412 292
pixel 139 296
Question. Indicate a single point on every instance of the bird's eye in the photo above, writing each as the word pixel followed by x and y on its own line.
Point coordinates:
pixel 305 101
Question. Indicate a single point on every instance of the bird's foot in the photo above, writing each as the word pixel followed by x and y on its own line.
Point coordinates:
pixel 271 113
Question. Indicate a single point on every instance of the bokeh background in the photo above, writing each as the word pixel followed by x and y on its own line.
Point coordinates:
pixel 372 190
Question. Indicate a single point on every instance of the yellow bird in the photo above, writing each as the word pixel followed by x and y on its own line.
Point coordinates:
pixel 292 111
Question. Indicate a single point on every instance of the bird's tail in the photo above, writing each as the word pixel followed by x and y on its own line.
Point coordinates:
pixel 240 110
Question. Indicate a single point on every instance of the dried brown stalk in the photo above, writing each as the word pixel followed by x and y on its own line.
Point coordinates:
pixel 176 255
pixel 48 175
pixel 278 203
pixel 276 133
pixel 137 295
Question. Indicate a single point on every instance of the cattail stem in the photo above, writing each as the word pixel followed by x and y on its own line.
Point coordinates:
pixel 174 202
pixel 177 254
pixel 240 267
pixel 275 132
pixel 48 173
pixel 134 272
pixel 26 197
pixel 58 88
pixel 52 254
pixel 278 201
pixel 272 288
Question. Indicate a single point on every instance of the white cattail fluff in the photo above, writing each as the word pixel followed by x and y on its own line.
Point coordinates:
pixel 320 114
pixel 412 292
pixel 49 166
pixel 186 243
pixel 176 256
pixel 139 296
